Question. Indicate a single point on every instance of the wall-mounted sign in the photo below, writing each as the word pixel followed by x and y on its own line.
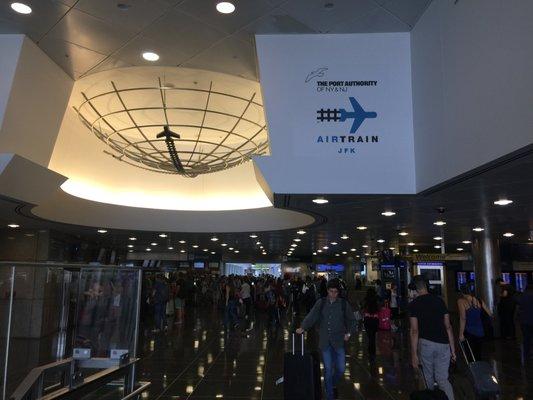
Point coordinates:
pixel 421 257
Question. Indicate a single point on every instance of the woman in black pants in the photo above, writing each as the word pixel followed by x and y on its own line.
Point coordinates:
pixel 371 320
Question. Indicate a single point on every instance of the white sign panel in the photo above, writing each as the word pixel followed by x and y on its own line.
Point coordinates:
pixel 339 109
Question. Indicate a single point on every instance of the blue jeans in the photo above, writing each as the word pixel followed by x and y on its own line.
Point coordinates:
pixel 334 366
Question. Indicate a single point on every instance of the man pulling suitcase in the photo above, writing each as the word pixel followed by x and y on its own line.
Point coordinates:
pixel 336 321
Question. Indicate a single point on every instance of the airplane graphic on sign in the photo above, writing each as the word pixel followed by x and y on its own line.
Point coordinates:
pixel 358 115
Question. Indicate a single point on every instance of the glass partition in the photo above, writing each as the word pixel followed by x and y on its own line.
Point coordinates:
pixel 54 308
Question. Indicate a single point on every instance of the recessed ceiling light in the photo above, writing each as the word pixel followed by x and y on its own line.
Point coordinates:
pixel 14 226
pixel 225 7
pixel 153 244
pixel 294 245
pixel 21 8
pixel 365 246
pixel 297 240
pixel 410 244
pixel 257 243
pixel 388 213
pixel 478 229
pixel 466 242
pixel 230 248
pixel 206 250
pixel 381 240
pixel 223 244
pixel 437 238
pixel 437 246
pixel 503 202
pixel 132 238
pixel 337 255
pixel 150 56
pixel 130 251
pixel 194 246
pixel 325 247
pixel 508 234
pixel 182 251
pixel 319 251
pixel 301 232
pixel 334 243
pixel 439 223
pixel 344 237
pixel 183 242
pixel 163 235
pixel 170 248
pixel 352 249
pixel 415 250
pixel 403 233
pixel 236 251
pixel 320 200
pixel 253 235
pixel 102 231
pixel 314 253
pixel 214 239
pixel 367 254
pixel 361 228
pixel 392 248
pixel 460 249
pixel 148 249
pixel 213 252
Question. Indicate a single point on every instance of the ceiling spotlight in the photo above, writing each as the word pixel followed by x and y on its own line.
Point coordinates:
pixel 225 7
pixel 320 200
pixel 130 251
pixel 437 246
pixel 230 248
pixel 294 245
pixel 508 234
pixel 206 250
pixel 297 240
pixel 214 239
pixel 466 242
pixel 367 254
pixel 130 246
pixel 437 238
pixel 478 229
pixel 403 233
pixel 163 235
pixel 301 232
pixel 150 56
pixel 361 228
pixel 388 213
pixel 314 253
pixel 148 249
pixel 183 242
pixel 182 251
pixel 223 244
pixel 334 243
pixel 194 246
pixel 102 231
pixel 460 249
pixel 14 225
pixel 132 238
pixel 392 248
pixel 21 8
pixel 381 240
pixel 257 243
pixel 253 235
pixel 236 251
pixel 153 244
pixel 503 202
pixel 365 246
pixel 319 251
pixel 415 250
pixel 170 248
pixel 410 244
pixel 213 252
pixel 337 254
pixel 345 236
pixel 439 223
pixel 325 247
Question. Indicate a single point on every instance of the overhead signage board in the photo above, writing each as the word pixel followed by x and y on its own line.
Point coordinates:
pixel 339 110
pixel 422 257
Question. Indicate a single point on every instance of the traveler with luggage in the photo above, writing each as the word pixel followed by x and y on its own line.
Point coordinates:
pixel 432 341
pixel 525 304
pixel 371 320
pixel 336 321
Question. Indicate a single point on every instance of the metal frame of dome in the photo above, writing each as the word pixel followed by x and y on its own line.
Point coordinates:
pixel 154 154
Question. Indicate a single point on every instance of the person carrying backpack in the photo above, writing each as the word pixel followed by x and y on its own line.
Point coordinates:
pixel 336 321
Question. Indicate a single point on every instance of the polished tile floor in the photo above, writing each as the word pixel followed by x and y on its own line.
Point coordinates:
pixel 199 360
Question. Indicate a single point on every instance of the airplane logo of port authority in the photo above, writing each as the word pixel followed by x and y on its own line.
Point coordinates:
pixel 358 115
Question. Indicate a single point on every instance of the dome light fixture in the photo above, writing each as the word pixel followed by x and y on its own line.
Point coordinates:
pixel 225 7
pixel 150 56
pixel 503 202
pixel 388 213
pixel 21 8
pixel 320 200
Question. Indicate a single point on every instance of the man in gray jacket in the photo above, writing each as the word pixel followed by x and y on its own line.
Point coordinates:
pixel 336 321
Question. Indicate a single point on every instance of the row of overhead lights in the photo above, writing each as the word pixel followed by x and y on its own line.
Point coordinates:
pixel 389 213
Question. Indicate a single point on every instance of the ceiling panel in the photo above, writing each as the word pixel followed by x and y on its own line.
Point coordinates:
pixel 90 32
pixel 246 12
pixel 231 56
pixel 315 15
pixel 72 58
pixel 408 11
pixel 186 33
pixel 45 14
pixel 138 15
pixel 378 20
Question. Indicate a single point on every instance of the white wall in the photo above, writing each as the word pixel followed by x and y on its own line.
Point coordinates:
pixel 10 46
pixel 472 69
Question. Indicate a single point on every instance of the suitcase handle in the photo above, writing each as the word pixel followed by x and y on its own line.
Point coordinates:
pixel 293 343
pixel 463 345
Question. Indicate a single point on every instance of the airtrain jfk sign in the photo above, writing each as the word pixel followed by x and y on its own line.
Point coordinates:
pixel 338 106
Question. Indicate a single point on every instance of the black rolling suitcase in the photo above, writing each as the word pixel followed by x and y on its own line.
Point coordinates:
pixel 301 374
pixel 427 393
pixel 483 378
